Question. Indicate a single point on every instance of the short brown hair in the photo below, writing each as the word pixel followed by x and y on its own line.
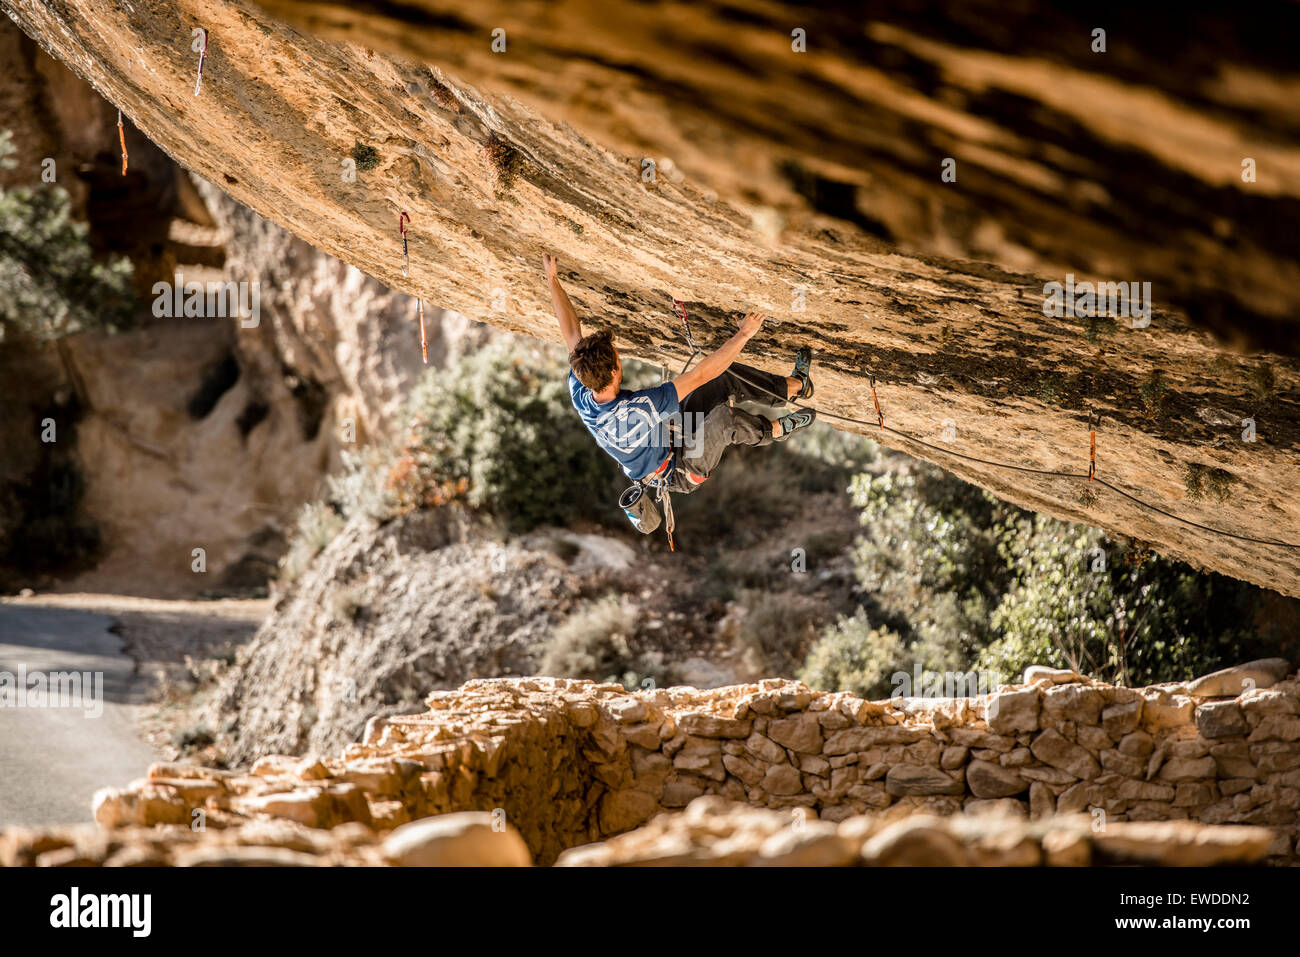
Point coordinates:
pixel 594 360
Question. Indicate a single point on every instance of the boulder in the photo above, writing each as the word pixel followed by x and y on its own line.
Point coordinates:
pixel 905 779
pixel 1073 702
pixel 464 839
pixel 988 780
pixel 916 841
pixel 1054 676
pixel 1012 711
pixel 1230 682
pixel 1162 710
pixel 1220 719
pixel 800 732
pixel 713 726
pixel 1052 748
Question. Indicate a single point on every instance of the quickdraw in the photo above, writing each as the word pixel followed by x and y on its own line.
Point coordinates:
pixel 401 227
pixel 879 415
pixel 690 339
pixel 1093 420
pixel 121 136
pixel 203 52
pixel 424 342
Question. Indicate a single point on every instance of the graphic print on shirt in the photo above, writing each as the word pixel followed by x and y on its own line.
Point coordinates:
pixel 632 425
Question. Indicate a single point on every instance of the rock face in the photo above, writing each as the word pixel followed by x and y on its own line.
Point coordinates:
pixel 192 432
pixel 1056 143
pixel 490 183
pixel 608 761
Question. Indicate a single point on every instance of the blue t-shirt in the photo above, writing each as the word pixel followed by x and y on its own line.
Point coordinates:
pixel 633 427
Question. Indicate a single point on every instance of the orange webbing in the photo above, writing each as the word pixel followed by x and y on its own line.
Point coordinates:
pixel 121 136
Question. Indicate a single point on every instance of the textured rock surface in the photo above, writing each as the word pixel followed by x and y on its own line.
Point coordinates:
pixel 193 432
pixel 570 763
pixel 490 183
pixel 1057 145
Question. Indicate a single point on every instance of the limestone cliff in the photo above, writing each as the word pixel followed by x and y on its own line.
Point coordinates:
pixel 961 350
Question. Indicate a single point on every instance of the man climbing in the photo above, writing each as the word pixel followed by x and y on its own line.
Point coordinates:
pixel 637 428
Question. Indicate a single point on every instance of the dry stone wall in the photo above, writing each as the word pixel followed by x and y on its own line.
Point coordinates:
pixel 570 763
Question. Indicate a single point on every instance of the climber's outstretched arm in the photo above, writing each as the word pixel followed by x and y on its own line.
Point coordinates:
pixel 569 327
pixel 716 363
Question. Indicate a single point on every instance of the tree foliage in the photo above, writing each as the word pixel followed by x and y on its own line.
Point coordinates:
pixel 952 579
pixel 51 285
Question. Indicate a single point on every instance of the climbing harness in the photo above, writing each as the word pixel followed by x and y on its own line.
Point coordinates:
pixel 401 227
pixel 121 136
pixel 203 52
pixel 638 508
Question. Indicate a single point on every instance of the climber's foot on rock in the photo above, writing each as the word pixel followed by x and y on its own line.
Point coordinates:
pixel 787 425
pixel 803 372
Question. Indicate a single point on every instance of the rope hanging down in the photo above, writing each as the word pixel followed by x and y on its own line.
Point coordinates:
pixel 1091 476
pixel 121 137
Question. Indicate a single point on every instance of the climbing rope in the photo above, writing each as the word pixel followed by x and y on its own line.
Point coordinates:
pixel 1091 476
pixel 121 136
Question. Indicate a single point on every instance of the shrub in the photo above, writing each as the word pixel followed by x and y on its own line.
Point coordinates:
pixel 593 642
pixel 776 630
pixel 1263 381
pixel 1113 610
pixel 366 157
pixel 852 656
pixel 1204 481
pixel 961 578
pixel 50 283
pixel 499 432
pixel 315 526
pixel 1155 393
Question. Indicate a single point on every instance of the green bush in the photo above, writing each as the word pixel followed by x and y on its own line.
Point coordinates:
pixel 366 157
pixel 50 283
pixel 593 642
pixel 776 630
pixel 962 578
pixel 315 526
pixel 852 656
pixel 1110 609
pixel 499 432
pixel 357 489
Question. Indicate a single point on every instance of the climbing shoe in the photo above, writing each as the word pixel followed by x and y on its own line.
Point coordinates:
pixel 802 367
pixel 795 421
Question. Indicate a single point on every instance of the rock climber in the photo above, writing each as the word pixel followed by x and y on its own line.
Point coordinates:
pixel 675 433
